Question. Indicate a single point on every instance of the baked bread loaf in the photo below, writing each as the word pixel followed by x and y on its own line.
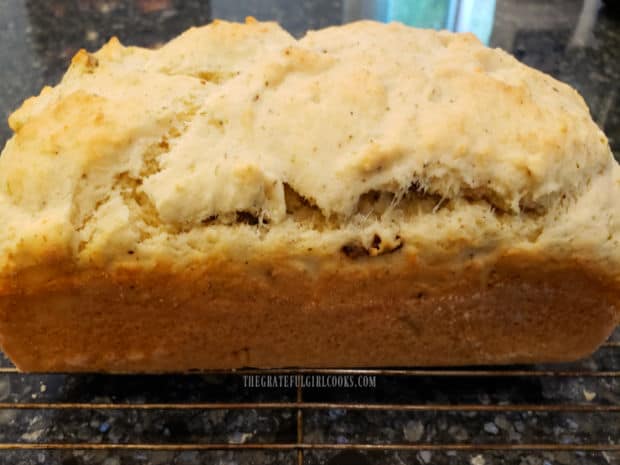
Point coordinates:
pixel 368 195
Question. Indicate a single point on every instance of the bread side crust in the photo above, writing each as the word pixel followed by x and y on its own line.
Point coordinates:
pixel 375 311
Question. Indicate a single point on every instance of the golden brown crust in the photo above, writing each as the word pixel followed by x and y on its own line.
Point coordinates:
pixel 160 151
pixel 375 311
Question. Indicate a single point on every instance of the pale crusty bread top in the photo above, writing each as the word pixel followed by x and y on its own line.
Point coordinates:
pixel 237 137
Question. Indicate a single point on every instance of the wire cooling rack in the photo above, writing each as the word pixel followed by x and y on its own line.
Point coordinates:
pixel 542 414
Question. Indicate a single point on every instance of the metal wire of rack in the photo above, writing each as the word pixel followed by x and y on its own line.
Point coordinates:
pixel 32 418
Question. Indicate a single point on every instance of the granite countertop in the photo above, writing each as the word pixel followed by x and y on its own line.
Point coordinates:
pixel 576 41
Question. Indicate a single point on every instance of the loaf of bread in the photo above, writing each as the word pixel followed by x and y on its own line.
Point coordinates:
pixel 368 195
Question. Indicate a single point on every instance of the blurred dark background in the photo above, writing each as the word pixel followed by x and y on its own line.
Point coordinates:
pixel 577 41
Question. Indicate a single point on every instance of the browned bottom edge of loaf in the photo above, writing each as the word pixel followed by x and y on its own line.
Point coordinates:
pixel 360 313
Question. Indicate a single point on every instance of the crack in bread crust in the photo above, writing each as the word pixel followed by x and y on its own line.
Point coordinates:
pixel 239 132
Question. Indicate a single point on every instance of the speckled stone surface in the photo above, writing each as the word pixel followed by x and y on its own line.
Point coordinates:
pixel 561 37
pixel 446 418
